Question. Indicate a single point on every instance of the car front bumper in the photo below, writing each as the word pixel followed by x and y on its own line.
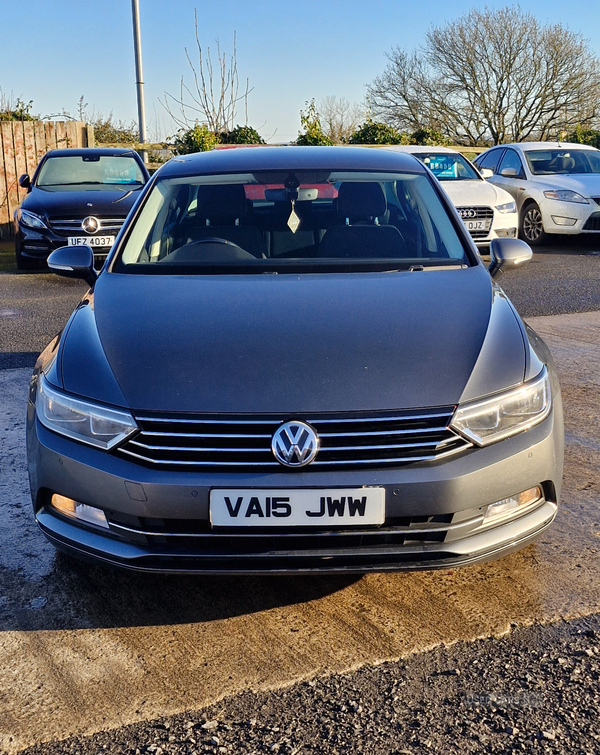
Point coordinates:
pixel 39 244
pixel 570 218
pixel 159 521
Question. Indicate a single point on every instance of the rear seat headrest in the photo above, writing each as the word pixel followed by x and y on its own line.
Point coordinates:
pixel 225 202
pixel 361 200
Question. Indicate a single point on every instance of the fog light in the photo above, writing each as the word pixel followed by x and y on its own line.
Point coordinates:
pixel 563 221
pixel 80 511
pixel 510 233
pixel 508 506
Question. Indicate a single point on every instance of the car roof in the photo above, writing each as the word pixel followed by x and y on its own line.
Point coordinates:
pixel 529 146
pixel 97 151
pixel 414 149
pixel 252 159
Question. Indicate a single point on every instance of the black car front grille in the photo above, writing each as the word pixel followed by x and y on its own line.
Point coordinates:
pixel 196 536
pixel 593 222
pixel 478 213
pixel 72 226
pixel 244 444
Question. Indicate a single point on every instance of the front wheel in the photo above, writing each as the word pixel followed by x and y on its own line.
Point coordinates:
pixel 532 229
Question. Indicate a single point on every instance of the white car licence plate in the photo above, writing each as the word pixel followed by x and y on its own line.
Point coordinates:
pixel 477 225
pixel 102 241
pixel 297 508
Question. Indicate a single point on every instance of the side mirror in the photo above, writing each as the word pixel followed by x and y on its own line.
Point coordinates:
pixel 74 262
pixel 486 172
pixel 507 254
pixel 509 173
pixel 24 181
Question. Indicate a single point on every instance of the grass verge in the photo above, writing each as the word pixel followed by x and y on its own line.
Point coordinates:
pixel 7 256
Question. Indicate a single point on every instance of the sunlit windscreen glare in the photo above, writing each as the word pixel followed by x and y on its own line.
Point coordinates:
pixel 287 219
pixel 106 170
pixel 448 167
pixel 546 162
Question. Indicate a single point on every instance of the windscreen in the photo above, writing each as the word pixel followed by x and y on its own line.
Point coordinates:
pixel 548 162
pixel 291 221
pixel 106 171
pixel 448 167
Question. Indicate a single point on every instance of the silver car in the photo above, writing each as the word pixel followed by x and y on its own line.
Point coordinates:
pixel 294 360
pixel 556 186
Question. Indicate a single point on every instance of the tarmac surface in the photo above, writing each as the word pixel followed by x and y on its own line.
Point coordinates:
pixel 85 650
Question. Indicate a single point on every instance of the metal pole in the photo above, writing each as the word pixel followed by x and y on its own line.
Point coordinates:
pixel 139 76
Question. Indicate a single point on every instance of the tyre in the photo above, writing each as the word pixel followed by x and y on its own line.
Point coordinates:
pixel 531 228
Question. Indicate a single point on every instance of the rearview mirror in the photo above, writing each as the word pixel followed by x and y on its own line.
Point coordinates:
pixel 282 195
pixel 74 262
pixel 507 254
pixel 24 181
pixel 509 172
pixel 486 172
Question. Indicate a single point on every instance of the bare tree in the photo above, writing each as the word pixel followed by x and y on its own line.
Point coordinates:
pixel 492 75
pixel 215 96
pixel 339 118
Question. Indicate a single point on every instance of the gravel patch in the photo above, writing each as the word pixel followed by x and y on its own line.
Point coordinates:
pixel 534 690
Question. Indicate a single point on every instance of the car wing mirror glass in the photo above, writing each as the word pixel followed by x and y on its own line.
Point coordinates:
pixel 74 262
pixel 506 254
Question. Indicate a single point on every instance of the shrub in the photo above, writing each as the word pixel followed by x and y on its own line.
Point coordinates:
pixel 196 139
pixel 17 110
pixel 241 135
pixel 313 133
pixel 428 137
pixel 377 133
pixel 584 136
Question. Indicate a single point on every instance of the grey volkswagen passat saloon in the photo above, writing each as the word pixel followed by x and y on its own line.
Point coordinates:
pixel 294 360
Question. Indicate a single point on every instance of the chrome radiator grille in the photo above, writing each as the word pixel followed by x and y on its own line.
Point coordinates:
pixel 244 443
pixel 477 213
pixel 72 226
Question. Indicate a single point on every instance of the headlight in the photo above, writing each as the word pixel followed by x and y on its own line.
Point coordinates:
pixel 30 220
pixel 508 207
pixel 505 414
pixel 89 423
pixel 565 195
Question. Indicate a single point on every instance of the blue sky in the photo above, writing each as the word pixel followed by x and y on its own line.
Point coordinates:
pixel 54 51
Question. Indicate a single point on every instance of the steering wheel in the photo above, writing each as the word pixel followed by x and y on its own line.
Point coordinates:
pixel 219 240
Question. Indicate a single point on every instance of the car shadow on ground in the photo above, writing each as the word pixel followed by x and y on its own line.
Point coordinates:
pixel 77 595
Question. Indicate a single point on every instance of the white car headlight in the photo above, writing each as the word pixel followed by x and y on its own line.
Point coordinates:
pixel 30 220
pixel 508 207
pixel 565 195
pixel 81 420
pixel 505 414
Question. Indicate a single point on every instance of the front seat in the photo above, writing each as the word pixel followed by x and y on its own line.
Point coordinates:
pixel 359 234
pixel 218 214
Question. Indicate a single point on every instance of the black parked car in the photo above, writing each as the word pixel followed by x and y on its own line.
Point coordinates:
pixel 294 360
pixel 76 196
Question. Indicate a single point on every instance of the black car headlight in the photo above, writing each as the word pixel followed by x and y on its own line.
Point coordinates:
pixel 504 414
pixel 31 220
pixel 81 420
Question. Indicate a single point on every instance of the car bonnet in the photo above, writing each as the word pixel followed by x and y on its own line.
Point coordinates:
pixel 291 344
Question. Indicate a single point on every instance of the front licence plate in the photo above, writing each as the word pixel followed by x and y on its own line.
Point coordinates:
pixel 102 241
pixel 477 225
pixel 297 508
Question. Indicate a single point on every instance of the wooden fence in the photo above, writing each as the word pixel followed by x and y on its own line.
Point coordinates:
pixel 22 145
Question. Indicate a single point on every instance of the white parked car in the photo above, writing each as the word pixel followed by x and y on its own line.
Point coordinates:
pixel 556 186
pixel 487 211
